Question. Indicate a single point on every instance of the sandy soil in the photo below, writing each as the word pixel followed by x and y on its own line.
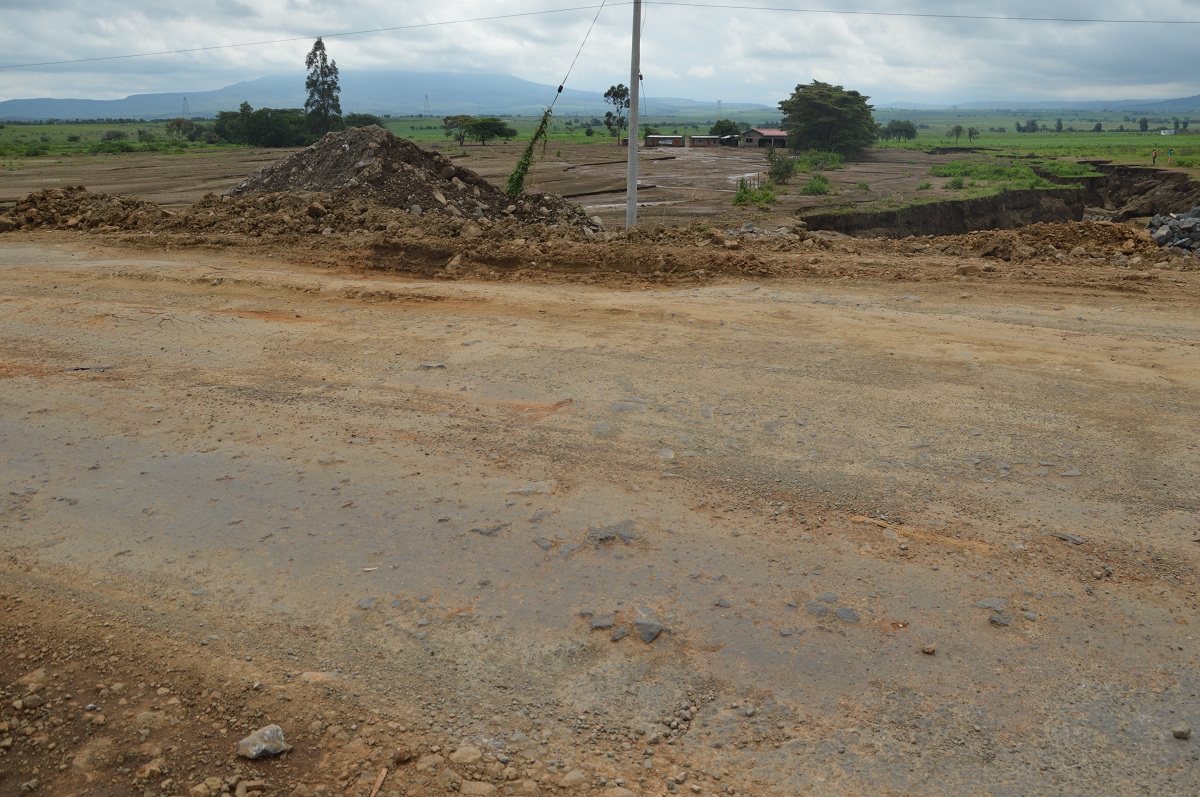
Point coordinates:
pixel 885 523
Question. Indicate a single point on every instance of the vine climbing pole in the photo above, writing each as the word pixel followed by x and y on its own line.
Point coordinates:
pixel 635 73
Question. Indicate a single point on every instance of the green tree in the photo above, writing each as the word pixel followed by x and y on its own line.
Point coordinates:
pixel 1031 126
pixel 1143 124
pixel 1058 126
pixel 956 131
pixel 826 117
pixel 362 120
pixel 489 127
pixel 1099 128
pixel 323 109
pixel 179 127
pixel 899 129
pixel 456 126
pixel 725 127
pixel 618 97
pixel 972 133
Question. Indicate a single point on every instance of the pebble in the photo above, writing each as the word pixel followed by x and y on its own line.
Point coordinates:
pixel 1182 732
pixel 828 597
pixel 995 604
pixel 929 650
pixel 846 614
pixel 1003 620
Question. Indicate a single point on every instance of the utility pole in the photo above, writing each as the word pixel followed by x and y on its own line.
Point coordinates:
pixel 635 74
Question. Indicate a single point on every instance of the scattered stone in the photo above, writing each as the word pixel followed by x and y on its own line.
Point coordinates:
pixel 648 629
pixel 827 597
pixel 402 755
pixel 466 755
pixel 995 604
pixel 367 603
pixel 846 614
pixel 263 742
pixel 619 633
pixel 929 650
pixel 573 779
pixel 603 534
pixel 723 603
pixel 1002 620
pixel 817 609
pixel 1182 732
pixel 536 488
pixel 476 788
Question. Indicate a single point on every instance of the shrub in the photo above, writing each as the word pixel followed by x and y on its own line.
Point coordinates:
pixel 817 161
pixel 819 184
pixel 114 135
pixel 73 138
pixel 780 166
pixel 863 187
pixel 925 186
pixel 954 183
pixel 759 197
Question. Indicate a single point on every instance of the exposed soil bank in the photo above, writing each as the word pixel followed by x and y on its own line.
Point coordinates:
pixel 1135 191
pixel 1004 211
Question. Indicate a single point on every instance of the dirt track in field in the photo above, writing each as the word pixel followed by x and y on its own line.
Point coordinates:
pixel 257 482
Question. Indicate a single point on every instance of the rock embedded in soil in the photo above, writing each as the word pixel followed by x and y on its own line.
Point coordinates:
pixel 266 741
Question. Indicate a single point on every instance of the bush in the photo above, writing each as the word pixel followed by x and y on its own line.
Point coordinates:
pixel 819 184
pixel 817 161
pixel 780 167
pixel 925 186
pixel 73 138
pixel 114 135
pixel 954 183
pixel 759 197
pixel 863 187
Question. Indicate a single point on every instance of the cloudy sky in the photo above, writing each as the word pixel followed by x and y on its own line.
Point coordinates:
pixel 732 50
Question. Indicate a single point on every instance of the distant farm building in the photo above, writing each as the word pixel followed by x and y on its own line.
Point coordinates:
pixel 764 137
pixel 665 141
pixel 704 141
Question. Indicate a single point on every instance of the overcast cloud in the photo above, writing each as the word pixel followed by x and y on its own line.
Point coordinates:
pixel 740 52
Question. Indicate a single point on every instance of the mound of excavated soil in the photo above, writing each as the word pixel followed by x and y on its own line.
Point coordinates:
pixel 370 163
pixel 74 207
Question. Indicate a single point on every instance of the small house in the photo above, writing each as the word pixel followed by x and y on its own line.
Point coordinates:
pixel 764 137
pixel 704 141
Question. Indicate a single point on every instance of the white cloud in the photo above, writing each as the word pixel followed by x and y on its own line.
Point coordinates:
pixel 688 51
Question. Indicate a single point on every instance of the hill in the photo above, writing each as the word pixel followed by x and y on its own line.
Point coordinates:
pixel 399 93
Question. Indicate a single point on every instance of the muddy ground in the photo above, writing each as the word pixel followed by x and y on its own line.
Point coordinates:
pixel 812 515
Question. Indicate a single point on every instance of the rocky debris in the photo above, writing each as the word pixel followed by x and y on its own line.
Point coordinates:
pixel 370 163
pixel 76 208
pixel 1182 732
pixel 1178 230
pixel 265 741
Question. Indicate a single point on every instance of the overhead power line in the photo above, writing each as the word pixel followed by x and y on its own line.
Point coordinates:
pixel 915 15
pixel 596 7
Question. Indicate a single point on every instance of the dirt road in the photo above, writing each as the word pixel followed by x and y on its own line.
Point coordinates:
pixel 804 536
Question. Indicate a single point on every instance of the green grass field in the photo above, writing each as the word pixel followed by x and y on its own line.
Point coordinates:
pixel 996 135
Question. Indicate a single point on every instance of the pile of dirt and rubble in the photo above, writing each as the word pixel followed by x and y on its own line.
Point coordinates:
pixel 372 164
pixel 76 208
pixel 1057 241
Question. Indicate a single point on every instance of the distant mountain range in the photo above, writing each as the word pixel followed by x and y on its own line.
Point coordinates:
pixel 398 93
pixel 443 93
pixel 1176 106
